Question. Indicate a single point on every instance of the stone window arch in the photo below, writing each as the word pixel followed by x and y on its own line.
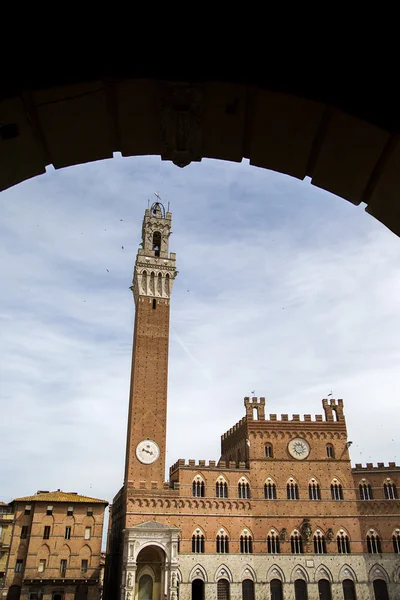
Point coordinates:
pixel 373 542
pixel 343 542
pixel 336 489
pixel 156 243
pixel 273 544
pixel 243 488
pixel 300 589
pixel 221 487
pixel 365 490
pixel 198 539
pixel 319 542
pixel 276 589
pixel 223 589
pixel 222 542
pixel 292 489
pixel 324 589
pixel 396 541
pixel 390 490
pixel 198 487
pixel 246 542
pixel 247 589
pixel 296 542
pixel 314 490
pixel 270 489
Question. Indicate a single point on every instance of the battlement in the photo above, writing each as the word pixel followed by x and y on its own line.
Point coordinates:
pixel 203 464
pixel 378 467
pixel 255 411
pixel 333 408
pixel 233 429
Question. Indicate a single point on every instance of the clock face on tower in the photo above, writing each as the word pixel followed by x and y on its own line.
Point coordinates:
pixel 299 448
pixel 147 452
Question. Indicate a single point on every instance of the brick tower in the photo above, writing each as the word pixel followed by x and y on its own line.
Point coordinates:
pixel 153 278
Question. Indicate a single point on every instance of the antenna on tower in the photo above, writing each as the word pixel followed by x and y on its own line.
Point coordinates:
pixel 148 202
pixel 168 206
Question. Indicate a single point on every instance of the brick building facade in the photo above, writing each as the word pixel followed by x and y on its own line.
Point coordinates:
pixel 281 515
pixel 55 551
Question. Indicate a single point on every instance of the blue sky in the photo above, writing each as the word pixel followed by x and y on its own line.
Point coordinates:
pixel 293 293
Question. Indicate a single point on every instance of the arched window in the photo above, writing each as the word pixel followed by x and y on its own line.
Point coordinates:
pixel 336 490
pixel 343 543
pixel 273 543
pixel 198 488
pixel 296 543
pixel 300 590
pixel 197 589
pixel 396 541
pixel 319 543
pixel 246 543
pixel 292 490
pixel 276 589
pixel 268 451
pixel 269 490
pixel 198 542
pixel 247 589
pixel 145 587
pixel 156 243
pixel 223 591
pixel 243 489
pixel 373 543
pixel 324 589
pixel 179 544
pixel 390 491
pixel 221 489
pixel 222 543
pixel 365 491
pixel 314 492
pixel 349 590
pixel 330 451
pixel 380 590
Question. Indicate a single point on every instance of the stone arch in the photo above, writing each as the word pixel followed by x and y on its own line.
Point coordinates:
pixel 276 572
pixel 222 530
pixel 88 521
pixel 65 551
pixel 248 573
pixel 246 531
pixel 299 572
pixel 346 572
pixel 199 531
pixel 243 479
pixel 85 552
pixel 69 520
pixel 223 572
pixel 43 551
pixel 323 572
pixel 378 572
pixel 198 572
pixel 396 575
pixel 146 570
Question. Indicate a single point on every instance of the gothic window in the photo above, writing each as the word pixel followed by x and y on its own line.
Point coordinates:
pixel 269 490
pixel 296 543
pixel 314 492
pixel 273 543
pixel 349 592
pixel 390 491
pixel 246 543
pixel 197 589
pixel 222 543
pixel 330 451
pixel 243 489
pixel 198 542
pixel 154 304
pixel 343 543
pixel 380 590
pixel 223 592
pixel 198 488
pixel 324 589
pixel 336 490
pixel 156 243
pixel 292 490
pixel 247 589
pixel 365 491
pixel 300 590
pixel 373 543
pixel 268 451
pixel 396 541
pixel 276 589
pixel 221 489
pixel 319 543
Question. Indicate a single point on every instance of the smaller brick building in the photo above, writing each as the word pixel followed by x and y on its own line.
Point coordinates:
pixel 55 550
pixel 6 525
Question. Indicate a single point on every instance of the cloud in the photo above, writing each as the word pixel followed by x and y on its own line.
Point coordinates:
pixel 292 292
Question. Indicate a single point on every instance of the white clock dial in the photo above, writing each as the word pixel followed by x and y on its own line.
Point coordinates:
pixel 147 452
pixel 299 448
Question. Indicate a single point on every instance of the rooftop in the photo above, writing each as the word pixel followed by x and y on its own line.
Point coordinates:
pixel 59 496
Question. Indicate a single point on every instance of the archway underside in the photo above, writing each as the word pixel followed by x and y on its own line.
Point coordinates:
pixel 185 122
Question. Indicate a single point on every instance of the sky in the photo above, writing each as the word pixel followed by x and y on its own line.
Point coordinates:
pixel 282 288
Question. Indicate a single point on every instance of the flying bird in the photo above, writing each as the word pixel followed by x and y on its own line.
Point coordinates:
pixel 121 219
pixel 330 394
pixel 107 270
pixel 253 392
pixel 122 247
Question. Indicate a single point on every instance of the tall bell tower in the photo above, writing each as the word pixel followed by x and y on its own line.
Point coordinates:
pixel 153 279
